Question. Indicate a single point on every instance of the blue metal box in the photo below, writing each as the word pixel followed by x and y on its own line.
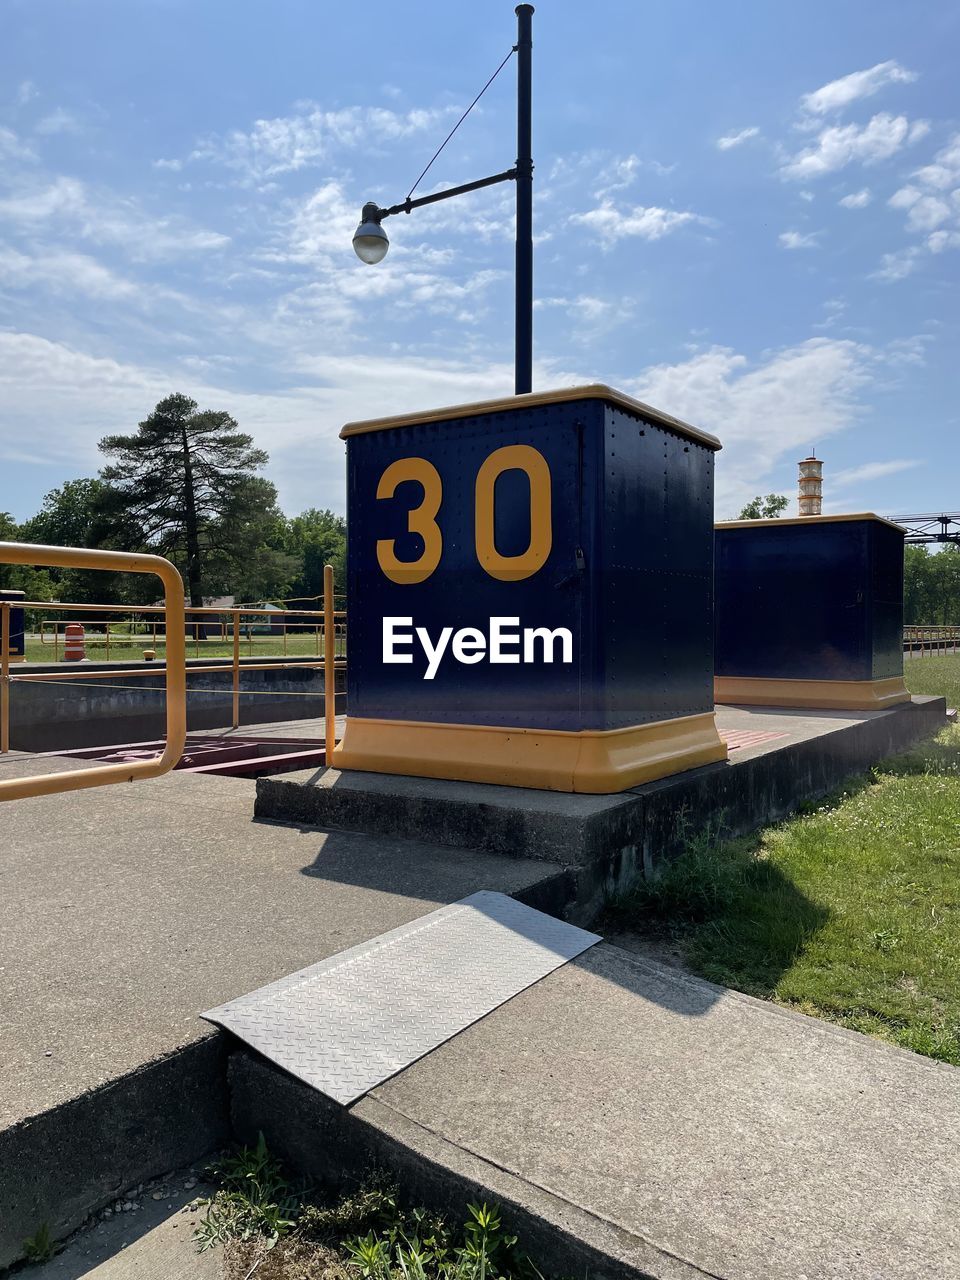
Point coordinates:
pixel 809 612
pixel 584 519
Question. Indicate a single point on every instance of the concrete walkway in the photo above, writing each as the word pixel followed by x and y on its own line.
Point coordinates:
pixel 129 909
pixel 634 1120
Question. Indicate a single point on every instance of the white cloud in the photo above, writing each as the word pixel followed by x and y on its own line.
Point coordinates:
pixel 58 121
pixel 897 266
pixel 620 174
pixel 839 145
pixel 833 309
pixel 762 411
pixel 941 240
pixel 932 205
pixel 288 143
pixel 106 219
pixel 799 239
pixel 322 223
pixel 26 92
pixel 856 199
pixel 736 139
pixel 63 401
pixel 911 350
pixel 11 148
pixel 597 170
pixel 62 272
pixel 611 224
pixel 945 170
pixel 589 317
pixel 859 84
pixel 63 196
pixel 925 212
pixel 173 165
pixel 870 471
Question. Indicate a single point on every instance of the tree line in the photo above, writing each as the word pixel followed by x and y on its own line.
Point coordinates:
pixel 184 485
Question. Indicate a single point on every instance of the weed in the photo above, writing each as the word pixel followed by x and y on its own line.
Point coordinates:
pixel 40 1247
pixel 367 1234
pixel 402 1252
pixel 373 1205
pixel 254 1200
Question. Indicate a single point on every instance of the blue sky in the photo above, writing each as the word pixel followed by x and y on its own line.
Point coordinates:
pixel 748 215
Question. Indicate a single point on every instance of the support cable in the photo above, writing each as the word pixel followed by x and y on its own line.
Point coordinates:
pixel 461 120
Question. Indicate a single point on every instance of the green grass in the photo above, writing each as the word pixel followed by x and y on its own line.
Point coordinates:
pixel 939 675
pixel 850 911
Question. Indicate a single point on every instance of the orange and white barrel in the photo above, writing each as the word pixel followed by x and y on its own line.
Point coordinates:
pixel 73 650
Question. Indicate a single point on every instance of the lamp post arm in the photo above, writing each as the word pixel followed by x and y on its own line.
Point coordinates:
pixel 508 175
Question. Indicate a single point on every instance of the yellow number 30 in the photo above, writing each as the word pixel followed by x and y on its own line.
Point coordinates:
pixel 422 519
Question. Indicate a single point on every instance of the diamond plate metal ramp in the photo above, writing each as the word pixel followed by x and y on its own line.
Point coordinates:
pixel 352 1021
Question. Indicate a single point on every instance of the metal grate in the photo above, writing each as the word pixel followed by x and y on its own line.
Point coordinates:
pixel 350 1022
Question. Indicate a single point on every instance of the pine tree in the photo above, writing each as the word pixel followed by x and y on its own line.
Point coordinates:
pixel 178 479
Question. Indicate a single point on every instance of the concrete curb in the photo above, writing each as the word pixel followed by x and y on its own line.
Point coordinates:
pixel 68 1162
pixel 605 841
pixel 333 1145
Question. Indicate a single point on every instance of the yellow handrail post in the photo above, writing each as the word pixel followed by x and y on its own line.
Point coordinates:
pixel 4 677
pixel 119 561
pixel 236 668
pixel 329 666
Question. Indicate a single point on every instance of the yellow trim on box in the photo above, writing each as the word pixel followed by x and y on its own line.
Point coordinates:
pixel 531 400
pixel 834 695
pixel 777 521
pixel 595 762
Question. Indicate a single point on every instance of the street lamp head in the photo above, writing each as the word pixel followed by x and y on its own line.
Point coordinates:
pixel 370 240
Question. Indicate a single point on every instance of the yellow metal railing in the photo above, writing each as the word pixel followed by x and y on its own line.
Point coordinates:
pixel 924 640
pixel 324 633
pixel 325 628
pixel 211 624
pixel 176 681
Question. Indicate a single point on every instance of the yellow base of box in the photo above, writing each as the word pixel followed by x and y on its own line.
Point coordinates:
pixel 593 762
pixel 833 695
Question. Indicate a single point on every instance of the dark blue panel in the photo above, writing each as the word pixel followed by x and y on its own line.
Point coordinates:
pixel 460 593
pixel 657 574
pixel 630 572
pixel 817 601
pixel 886 600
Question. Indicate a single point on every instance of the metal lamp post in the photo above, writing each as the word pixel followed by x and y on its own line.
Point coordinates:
pixel 371 243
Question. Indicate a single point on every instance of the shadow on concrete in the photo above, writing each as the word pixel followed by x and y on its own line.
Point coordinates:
pixel 434 873
pixel 437 873
pixel 151 1242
